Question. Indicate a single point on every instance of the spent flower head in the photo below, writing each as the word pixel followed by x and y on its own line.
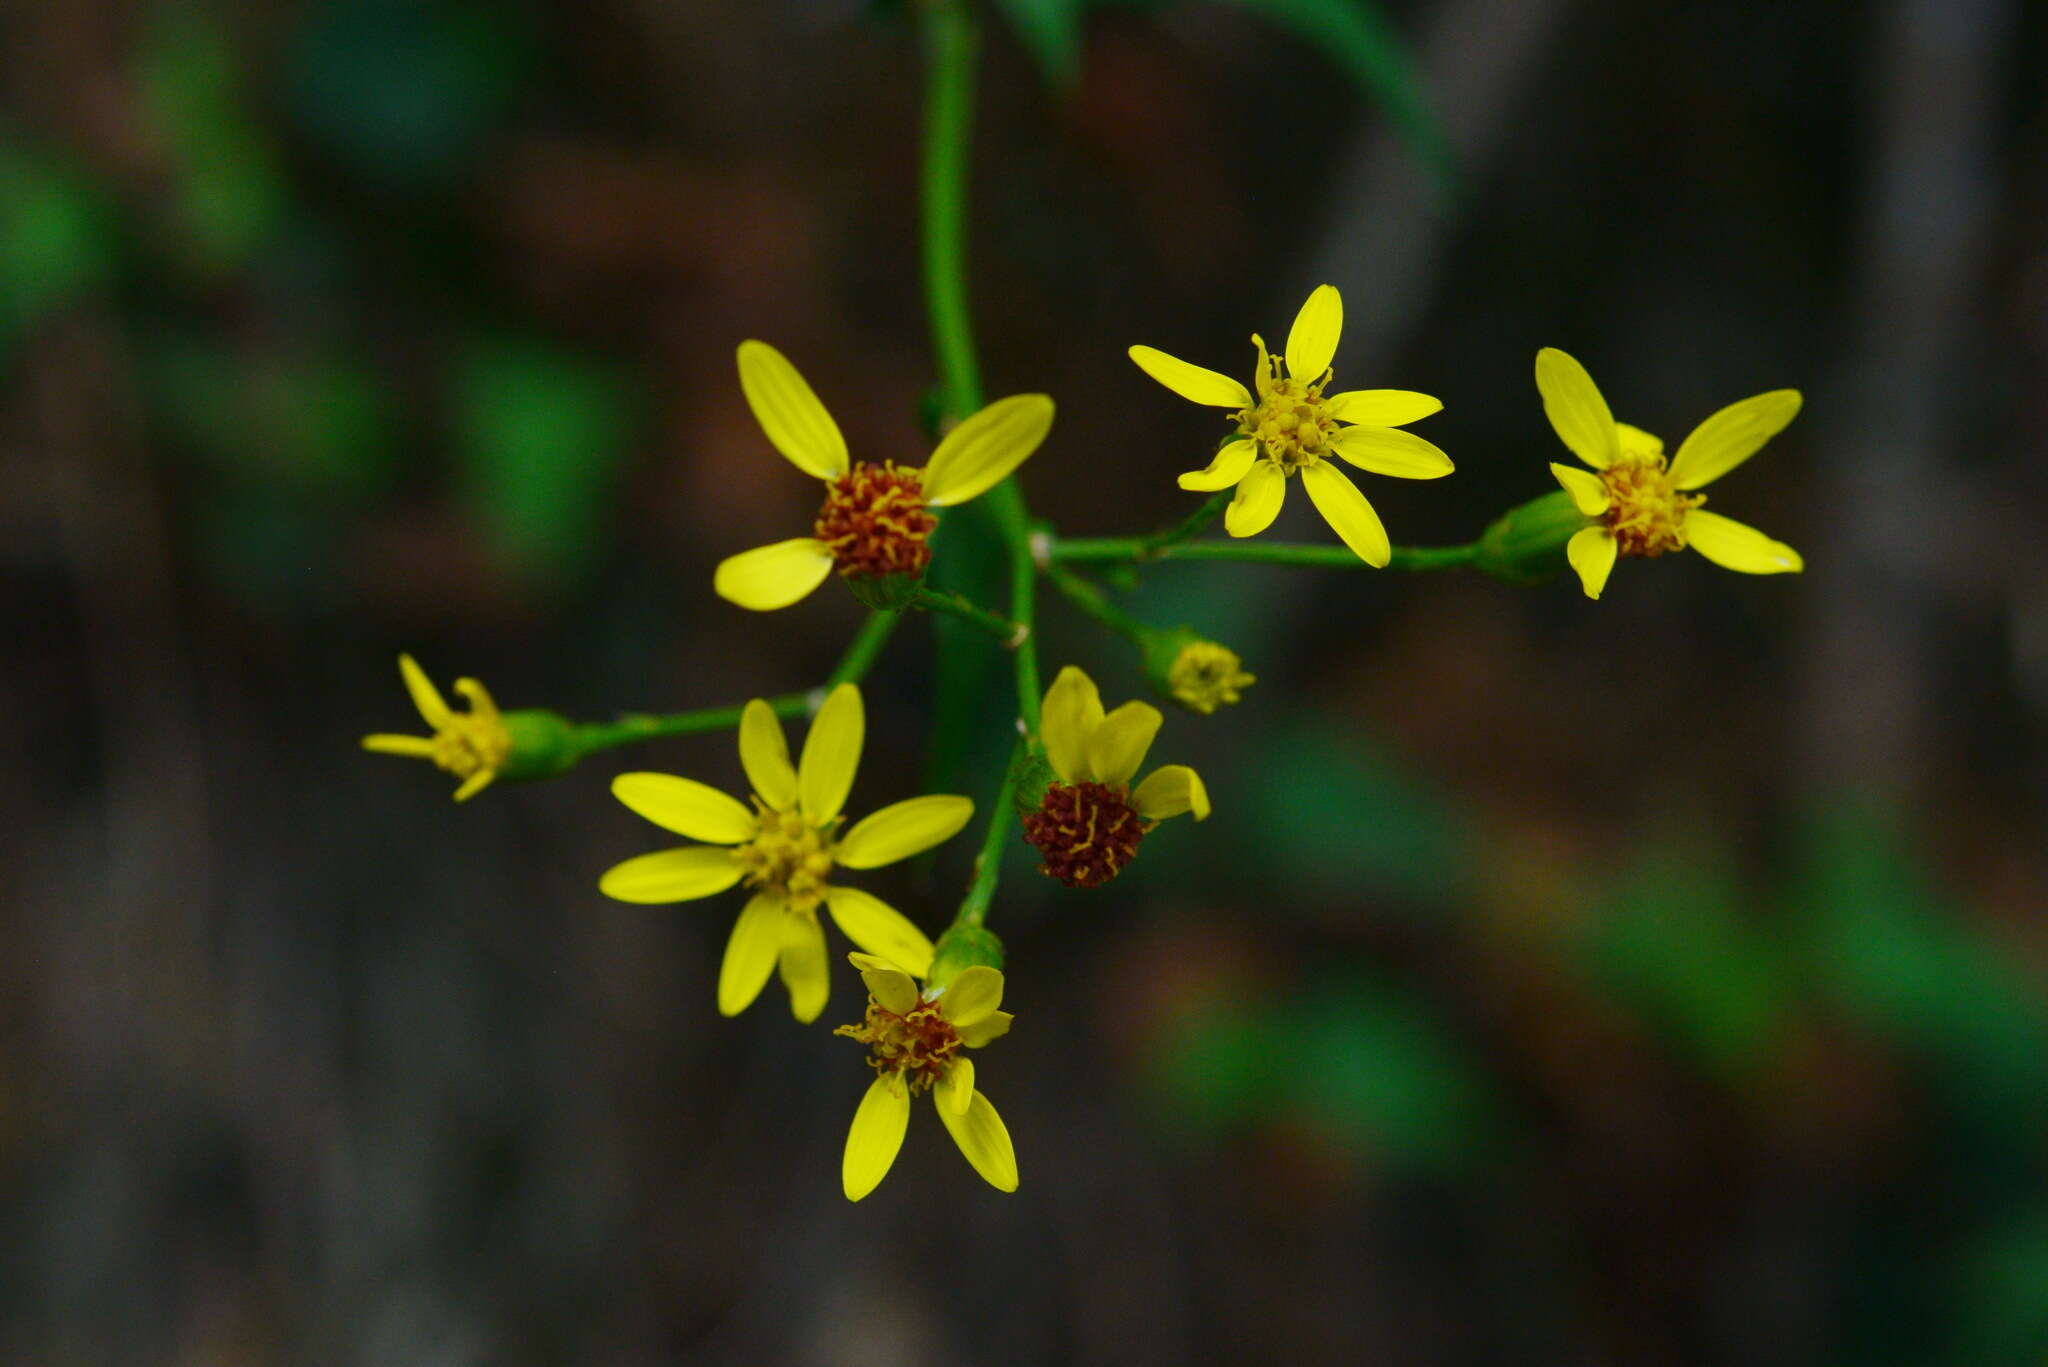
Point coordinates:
pixel 1289 427
pixel 784 844
pixel 474 745
pixel 875 525
pixel 1642 504
pixel 915 1038
pixel 1089 823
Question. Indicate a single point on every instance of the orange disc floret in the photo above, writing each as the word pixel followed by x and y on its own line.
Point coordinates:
pixel 874 521
pixel 1085 832
pixel 1645 511
pixel 917 1046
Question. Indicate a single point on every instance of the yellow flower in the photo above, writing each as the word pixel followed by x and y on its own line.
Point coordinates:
pixel 1205 676
pixel 874 523
pixel 914 1041
pixel 785 847
pixel 1088 825
pixel 1291 427
pixel 1644 506
pixel 471 745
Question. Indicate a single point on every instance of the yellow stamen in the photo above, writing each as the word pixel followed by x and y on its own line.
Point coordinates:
pixel 1289 422
pixel 790 856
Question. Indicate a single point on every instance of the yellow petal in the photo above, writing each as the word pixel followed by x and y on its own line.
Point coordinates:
pixel 475 784
pixel 886 983
pixel 1587 492
pixel 876 1136
pixel 412 747
pixel 764 754
pixel 972 997
pixel 1067 720
pixel 681 875
pixel 1731 437
pixel 1631 440
pixel 427 698
pixel 1591 552
pixel 1312 341
pixel 1573 404
pixel 1387 451
pixel 982 1139
pixel 750 953
pixel 790 413
pixel 1259 495
pixel 880 929
pixel 773 576
pixel 1169 791
pixel 1227 469
pixel 801 963
pixel 955 1091
pixel 1119 745
pixel 1191 381
pixel 1737 546
pixel 982 1031
pixel 976 454
pixel 1348 514
pixel 1381 407
pixel 831 754
pixel 686 807
pixel 903 829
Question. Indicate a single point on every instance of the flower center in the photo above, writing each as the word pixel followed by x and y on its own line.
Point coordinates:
pixel 790 856
pixel 1289 422
pixel 1085 832
pixel 918 1047
pixel 1205 676
pixel 1645 513
pixel 874 521
pixel 467 745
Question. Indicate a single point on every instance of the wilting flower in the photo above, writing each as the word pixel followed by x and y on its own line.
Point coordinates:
pixel 1088 825
pixel 914 1041
pixel 875 522
pixel 1291 427
pixel 474 745
pixel 785 847
pixel 1645 507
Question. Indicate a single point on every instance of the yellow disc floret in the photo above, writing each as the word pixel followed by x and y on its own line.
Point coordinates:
pixel 1290 422
pixel 1646 511
pixel 789 856
pixel 1204 676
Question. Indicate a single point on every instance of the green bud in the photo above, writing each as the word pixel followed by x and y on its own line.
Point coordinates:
pixel 541 745
pixel 885 592
pixel 961 948
pixel 1525 545
pixel 1032 776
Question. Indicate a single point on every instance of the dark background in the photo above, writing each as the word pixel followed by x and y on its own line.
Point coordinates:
pixel 1655 981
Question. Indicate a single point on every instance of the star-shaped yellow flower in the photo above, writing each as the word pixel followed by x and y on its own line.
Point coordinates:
pixel 875 521
pixel 1644 506
pixel 914 1040
pixel 472 745
pixel 1291 427
pixel 1089 823
pixel 785 847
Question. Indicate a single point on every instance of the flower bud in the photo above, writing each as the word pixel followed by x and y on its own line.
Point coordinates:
pixel 542 744
pixel 961 948
pixel 1186 667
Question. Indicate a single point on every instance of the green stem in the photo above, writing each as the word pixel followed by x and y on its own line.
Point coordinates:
pixel 988 864
pixel 950 46
pixel 587 738
pixel 1087 596
pixel 1133 549
pixel 1194 522
pixel 1011 634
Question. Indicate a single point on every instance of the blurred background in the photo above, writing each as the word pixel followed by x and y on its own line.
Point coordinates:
pixel 1655 981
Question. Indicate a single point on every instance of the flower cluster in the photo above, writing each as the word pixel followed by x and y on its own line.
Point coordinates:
pixel 1072 785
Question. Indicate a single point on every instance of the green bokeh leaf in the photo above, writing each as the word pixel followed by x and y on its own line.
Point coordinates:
pixel 1357 35
pixel 1672 944
pixel 57 238
pixel 540 434
pixel 1051 30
